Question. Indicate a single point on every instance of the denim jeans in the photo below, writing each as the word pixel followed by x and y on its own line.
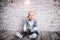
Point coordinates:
pixel 27 33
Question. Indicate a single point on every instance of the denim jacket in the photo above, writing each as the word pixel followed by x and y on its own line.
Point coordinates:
pixel 27 25
pixel 33 26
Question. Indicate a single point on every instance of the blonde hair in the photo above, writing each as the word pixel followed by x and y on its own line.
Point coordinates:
pixel 30 12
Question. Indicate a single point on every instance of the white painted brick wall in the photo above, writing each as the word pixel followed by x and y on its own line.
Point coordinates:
pixel 47 13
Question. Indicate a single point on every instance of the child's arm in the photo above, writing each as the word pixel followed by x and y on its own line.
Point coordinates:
pixel 36 25
pixel 24 28
pixel 35 28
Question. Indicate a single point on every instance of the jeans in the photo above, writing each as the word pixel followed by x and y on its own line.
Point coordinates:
pixel 27 33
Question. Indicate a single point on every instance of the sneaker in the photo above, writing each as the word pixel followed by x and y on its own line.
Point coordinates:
pixel 33 36
pixel 19 35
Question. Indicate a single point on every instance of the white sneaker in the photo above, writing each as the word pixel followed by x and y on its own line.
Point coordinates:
pixel 19 35
pixel 33 36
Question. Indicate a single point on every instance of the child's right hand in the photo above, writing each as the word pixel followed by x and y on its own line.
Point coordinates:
pixel 24 30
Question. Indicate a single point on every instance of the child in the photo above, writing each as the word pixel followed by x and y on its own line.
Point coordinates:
pixel 30 27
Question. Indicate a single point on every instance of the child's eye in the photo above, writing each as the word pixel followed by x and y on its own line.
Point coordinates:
pixel 32 15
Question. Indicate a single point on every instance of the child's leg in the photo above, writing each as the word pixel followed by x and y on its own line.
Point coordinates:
pixel 34 34
pixel 25 34
pixel 35 31
pixel 34 39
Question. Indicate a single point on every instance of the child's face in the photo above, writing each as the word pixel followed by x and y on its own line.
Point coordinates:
pixel 31 16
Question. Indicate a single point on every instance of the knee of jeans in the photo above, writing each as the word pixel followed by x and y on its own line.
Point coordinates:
pixel 33 35
pixel 36 31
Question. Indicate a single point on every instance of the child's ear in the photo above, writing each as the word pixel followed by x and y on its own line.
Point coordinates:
pixel 27 16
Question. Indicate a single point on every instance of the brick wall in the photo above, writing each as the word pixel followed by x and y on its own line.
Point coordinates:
pixel 13 14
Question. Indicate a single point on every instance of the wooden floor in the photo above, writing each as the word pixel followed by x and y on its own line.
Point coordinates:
pixel 44 35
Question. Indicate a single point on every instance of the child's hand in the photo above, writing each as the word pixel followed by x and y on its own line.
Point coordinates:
pixel 24 30
pixel 31 30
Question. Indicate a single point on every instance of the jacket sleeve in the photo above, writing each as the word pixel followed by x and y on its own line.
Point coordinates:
pixel 24 27
pixel 36 25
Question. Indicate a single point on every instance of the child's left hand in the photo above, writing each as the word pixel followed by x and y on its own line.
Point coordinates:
pixel 31 30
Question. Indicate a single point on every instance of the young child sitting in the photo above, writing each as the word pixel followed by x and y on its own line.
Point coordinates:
pixel 30 27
